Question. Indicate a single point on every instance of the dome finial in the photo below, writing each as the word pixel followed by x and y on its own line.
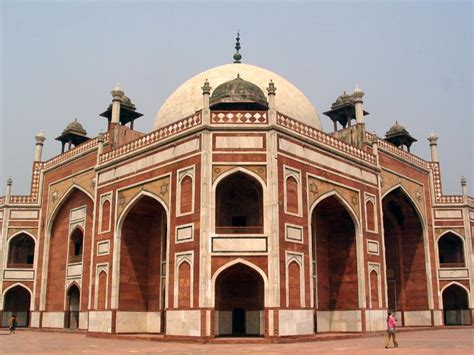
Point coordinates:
pixel 237 55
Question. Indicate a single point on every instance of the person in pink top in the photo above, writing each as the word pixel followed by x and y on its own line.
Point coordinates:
pixel 391 325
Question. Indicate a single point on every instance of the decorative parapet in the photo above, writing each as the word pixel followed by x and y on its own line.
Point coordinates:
pixel 234 117
pixel 91 143
pixel 439 197
pixel 35 184
pixel 33 197
pixel 388 147
pixel 153 137
pixel 324 138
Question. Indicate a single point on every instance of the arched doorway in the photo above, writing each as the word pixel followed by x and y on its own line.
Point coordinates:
pixel 72 308
pixel 334 257
pixel 143 258
pixel 21 251
pixel 451 250
pixel 239 302
pixel 456 306
pixel 239 205
pixel 407 287
pixel 16 301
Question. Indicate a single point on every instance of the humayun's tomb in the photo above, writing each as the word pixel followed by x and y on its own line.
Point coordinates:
pixel 236 215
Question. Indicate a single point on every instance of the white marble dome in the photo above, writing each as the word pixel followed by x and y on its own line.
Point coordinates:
pixel 187 99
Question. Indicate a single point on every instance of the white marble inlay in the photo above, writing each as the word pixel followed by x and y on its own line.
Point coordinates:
pixel 23 214
pixel 239 245
pixel 103 247
pixel 74 270
pixel 296 321
pixel 325 160
pixel 240 142
pixel 78 213
pixel 100 321
pixel 131 322
pixel 294 233
pixel 183 322
pixel 53 320
pixel 35 320
pixel 448 213
pixel 417 318
pixel 375 320
pixel 373 247
pixel 184 233
pixel 23 274
pixel 153 159
pixel 453 273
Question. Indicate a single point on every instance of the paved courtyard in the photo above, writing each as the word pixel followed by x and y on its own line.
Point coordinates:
pixel 451 341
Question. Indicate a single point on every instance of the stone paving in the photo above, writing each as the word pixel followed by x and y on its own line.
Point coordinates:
pixel 445 341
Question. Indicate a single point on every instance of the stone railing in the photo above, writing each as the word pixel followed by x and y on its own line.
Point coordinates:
pixel 455 199
pixel 324 138
pixel 91 143
pixel 384 145
pixel 470 201
pixel 153 137
pixel 234 117
pixel 439 197
pixel 35 185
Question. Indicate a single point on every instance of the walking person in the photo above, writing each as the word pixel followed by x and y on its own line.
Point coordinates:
pixel 12 324
pixel 391 325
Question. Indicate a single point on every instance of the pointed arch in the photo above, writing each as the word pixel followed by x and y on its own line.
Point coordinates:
pixel 21 232
pixel 61 201
pixel 116 260
pixel 324 250
pixel 239 204
pixel 456 304
pixel 410 199
pixel 236 170
pixel 20 285
pixel 20 255
pixel 451 249
pixel 460 285
pixel 232 263
pixel 18 303
pixel 398 288
pixel 343 201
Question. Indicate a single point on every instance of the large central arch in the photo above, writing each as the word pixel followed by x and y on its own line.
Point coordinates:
pixel 141 259
pixel 407 284
pixel 334 257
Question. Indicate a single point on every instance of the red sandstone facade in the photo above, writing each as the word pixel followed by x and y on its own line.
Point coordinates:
pixel 243 222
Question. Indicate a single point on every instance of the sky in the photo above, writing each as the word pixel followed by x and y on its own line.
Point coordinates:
pixel 60 60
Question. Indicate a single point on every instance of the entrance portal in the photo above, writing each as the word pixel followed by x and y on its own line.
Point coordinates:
pixel 17 302
pixel 239 302
pixel 407 287
pixel 72 313
pixel 455 304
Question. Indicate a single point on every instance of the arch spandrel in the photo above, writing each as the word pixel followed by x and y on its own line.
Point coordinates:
pixel 318 188
pixel 13 231
pixel 57 191
pixel 218 170
pixel 415 191
pixel 159 187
